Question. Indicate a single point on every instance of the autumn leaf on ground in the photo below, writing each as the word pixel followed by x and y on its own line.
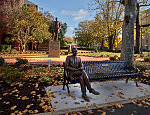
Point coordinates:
pixel 69 94
pixel 73 96
pixel 13 107
pixel 76 103
pixel 115 86
pixel 24 98
pixel 28 106
pixel 66 102
pixel 94 103
pixel 33 92
pixel 112 103
pixel 112 93
pixel 56 102
pixel 36 85
pixel 104 113
pixel 100 111
pixel 85 107
pixel 5 94
pixel 121 93
pixel 118 105
pixel 90 112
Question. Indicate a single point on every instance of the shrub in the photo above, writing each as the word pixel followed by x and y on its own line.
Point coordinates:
pixel 147 59
pixel 12 75
pixel 21 61
pixel 113 58
pixel 2 61
pixel 141 55
pixel 5 48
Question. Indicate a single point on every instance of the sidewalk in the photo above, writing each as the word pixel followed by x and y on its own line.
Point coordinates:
pixel 111 92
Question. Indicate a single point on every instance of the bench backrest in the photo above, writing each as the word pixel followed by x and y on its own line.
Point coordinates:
pixel 104 66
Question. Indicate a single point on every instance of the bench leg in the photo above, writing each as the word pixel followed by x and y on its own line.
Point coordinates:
pixel 68 88
pixel 127 80
pixel 135 81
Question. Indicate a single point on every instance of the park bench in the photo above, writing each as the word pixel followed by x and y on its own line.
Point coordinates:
pixel 102 70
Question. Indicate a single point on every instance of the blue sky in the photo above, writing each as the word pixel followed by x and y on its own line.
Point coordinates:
pixel 70 11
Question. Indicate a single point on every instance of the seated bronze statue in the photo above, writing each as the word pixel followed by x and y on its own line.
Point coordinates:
pixel 74 67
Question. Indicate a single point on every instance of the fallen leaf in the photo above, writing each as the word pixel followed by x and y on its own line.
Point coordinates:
pixel 121 97
pixel 36 111
pixel 76 103
pixel 104 113
pixel 85 107
pixel 90 112
pixel 5 94
pixel 7 102
pixel 33 92
pixel 28 106
pixel 66 102
pixel 94 103
pixel 13 107
pixel 112 93
pixel 100 111
pixel 69 94
pixel 24 98
pixel 56 102
pixel 121 93
pixel 36 85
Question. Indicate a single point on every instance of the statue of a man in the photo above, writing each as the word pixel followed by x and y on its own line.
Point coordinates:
pixel 56 28
pixel 75 68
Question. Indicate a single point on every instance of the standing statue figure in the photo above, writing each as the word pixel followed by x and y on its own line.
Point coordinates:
pixel 56 28
pixel 74 67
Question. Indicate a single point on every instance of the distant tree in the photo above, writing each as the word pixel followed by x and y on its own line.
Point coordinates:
pixel 68 40
pixel 84 33
pixel 26 24
pixel 109 14
pixel 62 33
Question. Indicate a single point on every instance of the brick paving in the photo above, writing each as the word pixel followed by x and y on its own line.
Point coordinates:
pixel 43 59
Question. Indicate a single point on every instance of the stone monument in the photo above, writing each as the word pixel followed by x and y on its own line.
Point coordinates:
pixel 54 45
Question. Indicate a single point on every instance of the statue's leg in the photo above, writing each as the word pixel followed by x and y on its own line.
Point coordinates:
pixel 57 35
pixel 53 35
pixel 86 80
pixel 87 83
pixel 83 88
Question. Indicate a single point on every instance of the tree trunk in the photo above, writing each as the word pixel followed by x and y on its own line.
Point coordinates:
pixel 127 50
pixel 23 47
pixel 102 44
pixel 110 43
pixel 137 45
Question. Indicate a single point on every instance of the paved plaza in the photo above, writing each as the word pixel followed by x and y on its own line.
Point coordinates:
pixel 110 91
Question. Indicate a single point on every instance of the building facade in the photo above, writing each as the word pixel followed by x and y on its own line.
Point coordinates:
pixel 146 36
pixel 3 29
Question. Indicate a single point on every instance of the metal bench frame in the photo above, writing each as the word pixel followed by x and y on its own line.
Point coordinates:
pixel 102 70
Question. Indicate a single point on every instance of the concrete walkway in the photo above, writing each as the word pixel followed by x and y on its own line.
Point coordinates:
pixel 110 91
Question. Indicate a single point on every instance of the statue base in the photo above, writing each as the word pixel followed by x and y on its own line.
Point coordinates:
pixel 54 49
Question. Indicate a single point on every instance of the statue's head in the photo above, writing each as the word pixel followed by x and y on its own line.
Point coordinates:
pixel 56 18
pixel 74 51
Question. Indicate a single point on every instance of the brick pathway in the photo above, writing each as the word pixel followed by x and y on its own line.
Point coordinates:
pixel 43 59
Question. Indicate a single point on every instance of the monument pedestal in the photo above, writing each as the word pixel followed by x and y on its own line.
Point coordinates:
pixel 54 49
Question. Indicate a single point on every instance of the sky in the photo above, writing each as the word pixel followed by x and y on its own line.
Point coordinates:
pixel 71 12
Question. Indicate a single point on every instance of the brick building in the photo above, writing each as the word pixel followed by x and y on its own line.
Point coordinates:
pixel 3 30
pixel 146 37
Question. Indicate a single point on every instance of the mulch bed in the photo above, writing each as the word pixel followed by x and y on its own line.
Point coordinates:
pixel 30 96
